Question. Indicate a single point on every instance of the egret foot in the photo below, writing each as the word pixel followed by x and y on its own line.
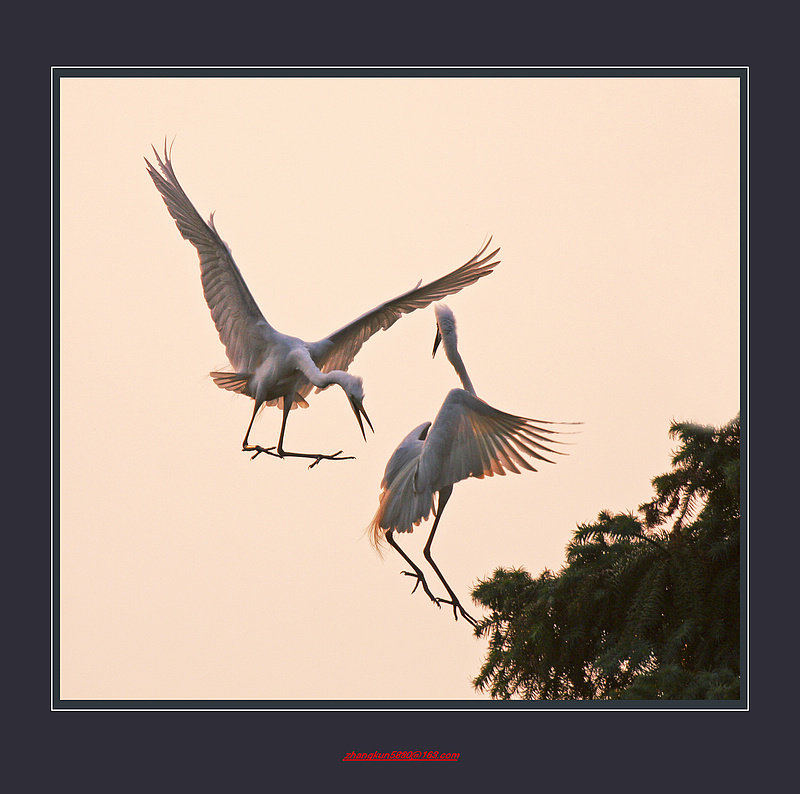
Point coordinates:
pixel 259 450
pixel 277 453
pixel 335 456
pixel 458 608
pixel 421 580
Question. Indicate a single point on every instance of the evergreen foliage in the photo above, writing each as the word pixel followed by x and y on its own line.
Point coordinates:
pixel 646 606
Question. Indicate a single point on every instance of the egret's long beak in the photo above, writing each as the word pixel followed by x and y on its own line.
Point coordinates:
pixel 358 410
pixel 436 341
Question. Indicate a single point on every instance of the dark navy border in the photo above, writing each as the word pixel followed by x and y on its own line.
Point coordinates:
pixel 60 72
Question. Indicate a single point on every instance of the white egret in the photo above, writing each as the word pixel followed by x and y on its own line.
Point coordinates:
pixel 468 438
pixel 270 367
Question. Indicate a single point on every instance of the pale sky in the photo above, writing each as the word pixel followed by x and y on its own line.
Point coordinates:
pixel 189 571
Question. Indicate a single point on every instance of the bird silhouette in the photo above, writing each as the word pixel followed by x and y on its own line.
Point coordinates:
pixel 270 367
pixel 468 438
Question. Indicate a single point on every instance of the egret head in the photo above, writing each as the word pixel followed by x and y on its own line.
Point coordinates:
pixel 354 389
pixel 446 333
pixel 445 326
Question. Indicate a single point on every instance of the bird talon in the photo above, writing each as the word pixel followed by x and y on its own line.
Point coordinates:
pixel 420 580
pixel 471 620
pixel 259 450
pixel 408 573
pixel 457 608
pixel 335 456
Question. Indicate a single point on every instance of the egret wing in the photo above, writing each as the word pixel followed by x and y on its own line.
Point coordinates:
pixel 238 320
pixel 470 438
pixel 339 349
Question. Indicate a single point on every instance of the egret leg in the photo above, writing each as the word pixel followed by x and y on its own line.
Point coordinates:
pixel 444 495
pixel 420 577
pixel 247 447
pixel 279 451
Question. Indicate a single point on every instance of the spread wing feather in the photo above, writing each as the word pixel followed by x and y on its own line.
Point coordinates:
pixel 241 326
pixel 339 349
pixel 236 316
pixel 470 438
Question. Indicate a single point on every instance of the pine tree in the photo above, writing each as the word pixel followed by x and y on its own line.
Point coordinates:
pixel 646 606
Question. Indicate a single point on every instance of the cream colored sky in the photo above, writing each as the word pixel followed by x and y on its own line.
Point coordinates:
pixel 190 572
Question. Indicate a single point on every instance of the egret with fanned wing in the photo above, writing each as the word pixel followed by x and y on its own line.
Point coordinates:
pixel 468 438
pixel 273 368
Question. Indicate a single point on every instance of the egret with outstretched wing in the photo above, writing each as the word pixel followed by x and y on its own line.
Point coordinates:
pixel 273 368
pixel 468 438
